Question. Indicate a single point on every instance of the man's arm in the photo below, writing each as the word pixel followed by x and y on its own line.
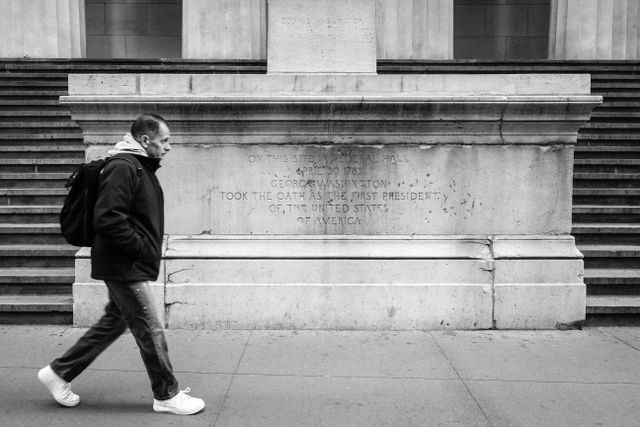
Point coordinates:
pixel 113 208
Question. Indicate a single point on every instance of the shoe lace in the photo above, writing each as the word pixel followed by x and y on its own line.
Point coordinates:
pixel 187 390
pixel 66 391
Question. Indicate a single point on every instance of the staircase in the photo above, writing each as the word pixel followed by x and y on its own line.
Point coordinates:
pixel 40 146
pixel 607 200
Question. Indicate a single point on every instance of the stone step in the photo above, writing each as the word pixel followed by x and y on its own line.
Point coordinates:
pixel 597 165
pixel 33 76
pixel 615 114
pixel 39 165
pixel 619 304
pixel 602 77
pixel 43 151
pixel 30 102
pixel 599 84
pixel 12 176
pixel 608 125
pixel 32 93
pixel 626 192
pixel 600 175
pixel 610 251
pixel 606 233
pixel 37 256
pixel 611 276
pixel 601 256
pixel 597 228
pixel 32 196
pixel 611 95
pixel 36 303
pixel 608 137
pixel 43 148
pixel 610 103
pixel 17 125
pixel 16 82
pixel 613 148
pixel 30 281
pixel 36 113
pixel 30 214
pixel 41 136
pixel 35 275
pixel 30 233
pixel 619 209
pixel 33 180
pixel 605 214
pixel 626 162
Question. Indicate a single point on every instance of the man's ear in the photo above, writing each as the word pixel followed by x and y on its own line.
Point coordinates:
pixel 144 141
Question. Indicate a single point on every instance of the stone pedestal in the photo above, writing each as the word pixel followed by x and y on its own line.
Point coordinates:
pixel 42 29
pixel 594 29
pixel 357 202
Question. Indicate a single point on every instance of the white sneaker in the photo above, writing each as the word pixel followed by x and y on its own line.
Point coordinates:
pixel 59 388
pixel 180 404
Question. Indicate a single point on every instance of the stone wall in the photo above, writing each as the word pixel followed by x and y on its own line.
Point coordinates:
pixel 501 29
pixel 134 28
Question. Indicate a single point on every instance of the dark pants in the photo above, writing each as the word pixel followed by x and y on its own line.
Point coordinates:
pixel 130 305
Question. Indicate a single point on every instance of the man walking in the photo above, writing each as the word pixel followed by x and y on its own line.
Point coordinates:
pixel 126 254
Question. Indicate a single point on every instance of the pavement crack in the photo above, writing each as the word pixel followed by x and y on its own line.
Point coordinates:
pixel 464 383
pixel 233 376
pixel 620 339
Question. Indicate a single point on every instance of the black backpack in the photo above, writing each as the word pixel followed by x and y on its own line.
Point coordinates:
pixel 76 216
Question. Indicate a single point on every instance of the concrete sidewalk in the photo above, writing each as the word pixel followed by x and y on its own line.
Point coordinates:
pixel 312 378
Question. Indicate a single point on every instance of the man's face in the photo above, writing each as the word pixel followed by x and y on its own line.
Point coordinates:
pixel 158 145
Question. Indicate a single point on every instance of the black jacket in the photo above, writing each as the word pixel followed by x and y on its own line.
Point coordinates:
pixel 128 221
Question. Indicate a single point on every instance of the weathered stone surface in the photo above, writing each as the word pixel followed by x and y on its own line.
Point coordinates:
pixel 326 306
pixel 368 190
pixel 539 305
pixel 308 270
pixel 104 84
pixel 322 36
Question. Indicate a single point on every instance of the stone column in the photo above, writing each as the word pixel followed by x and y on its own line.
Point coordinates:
pixel 42 29
pixel 415 29
pixel 224 29
pixel 594 29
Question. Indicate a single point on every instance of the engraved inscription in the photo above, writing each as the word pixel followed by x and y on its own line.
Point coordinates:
pixel 344 190
pixel 322 36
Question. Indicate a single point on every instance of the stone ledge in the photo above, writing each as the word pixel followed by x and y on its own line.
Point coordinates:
pixel 270 85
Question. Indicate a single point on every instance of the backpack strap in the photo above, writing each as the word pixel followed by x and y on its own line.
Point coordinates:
pixel 135 163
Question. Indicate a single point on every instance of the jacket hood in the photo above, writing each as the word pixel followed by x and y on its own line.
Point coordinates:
pixel 128 145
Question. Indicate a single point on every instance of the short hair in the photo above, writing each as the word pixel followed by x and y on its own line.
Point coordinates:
pixel 147 124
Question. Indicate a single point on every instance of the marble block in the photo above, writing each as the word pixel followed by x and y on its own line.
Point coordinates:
pixel 321 36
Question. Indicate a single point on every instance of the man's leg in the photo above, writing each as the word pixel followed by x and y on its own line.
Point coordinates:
pixel 137 305
pixel 138 308
pixel 57 375
pixel 91 344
